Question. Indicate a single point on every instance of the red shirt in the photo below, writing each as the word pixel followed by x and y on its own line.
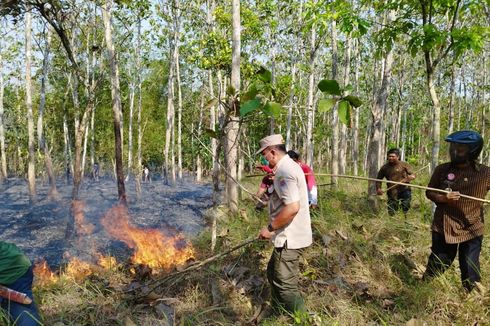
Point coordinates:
pixel 310 177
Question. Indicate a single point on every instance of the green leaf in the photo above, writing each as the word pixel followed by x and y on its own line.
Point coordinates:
pixel 326 104
pixel 353 100
pixel 272 109
pixel 249 106
pixel 264 75
pixel 329 86
pixel 211 133
pixel 212 102
pixel 250 94
pixel 344 112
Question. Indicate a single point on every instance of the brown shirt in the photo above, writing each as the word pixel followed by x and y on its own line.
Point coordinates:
pixel 394 172
pixel 462 220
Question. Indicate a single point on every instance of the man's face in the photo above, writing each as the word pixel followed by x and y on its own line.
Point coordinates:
pixel 393 158
pixel 459 153
pixel 269 155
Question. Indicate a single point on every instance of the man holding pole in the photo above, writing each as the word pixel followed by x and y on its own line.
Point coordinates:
pixel 289 226
pixel 399 171
pixel 16 286
pixel 458 221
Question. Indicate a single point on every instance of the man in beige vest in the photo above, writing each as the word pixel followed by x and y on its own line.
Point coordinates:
pixel 289 226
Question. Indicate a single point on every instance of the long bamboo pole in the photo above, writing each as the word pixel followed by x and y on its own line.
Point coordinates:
pixel 406 179
pixel 401 183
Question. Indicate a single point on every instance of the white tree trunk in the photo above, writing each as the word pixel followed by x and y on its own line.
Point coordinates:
pixel 335 113
pixel 343 127
pixel 3 156
pixel 311 93
pixel 116 99
pixel 179 116
pixel 130 124
pixel 290 107
pixel 376 139
pixel 31 173
pixel 139 167
pixel 231 131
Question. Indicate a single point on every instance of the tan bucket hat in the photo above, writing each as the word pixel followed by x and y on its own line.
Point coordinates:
pixel 270 141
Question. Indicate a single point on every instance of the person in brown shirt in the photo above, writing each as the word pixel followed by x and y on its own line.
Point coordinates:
pixel 399 171
pixel 458 222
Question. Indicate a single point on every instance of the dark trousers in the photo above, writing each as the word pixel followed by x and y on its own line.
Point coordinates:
pixel 444 253
pixel 283 274
pixel 21 314
pixel 401 200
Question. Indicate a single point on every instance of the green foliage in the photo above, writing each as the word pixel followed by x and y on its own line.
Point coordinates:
pixel 345 103
pixel 329 87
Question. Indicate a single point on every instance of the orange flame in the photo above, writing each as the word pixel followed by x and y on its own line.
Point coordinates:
pixel 78 269
pixel 106 262
pixel 151 247
pixel 43 274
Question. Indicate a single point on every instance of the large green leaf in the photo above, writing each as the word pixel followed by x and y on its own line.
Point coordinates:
pixel 249 106
pixel 344 112
pixel 329 86
pixel 353 100
pixel 326 104
pixel 250 93
pixel 272 109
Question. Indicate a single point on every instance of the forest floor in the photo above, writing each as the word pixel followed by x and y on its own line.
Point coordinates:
pixel 364 268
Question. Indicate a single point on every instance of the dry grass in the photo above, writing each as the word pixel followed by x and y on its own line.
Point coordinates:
pixel 367 274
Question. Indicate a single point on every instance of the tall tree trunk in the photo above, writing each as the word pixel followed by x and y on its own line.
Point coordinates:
pixel 170 110
pixel 335 113
pixel 31 173
pixel 3 156
pixel 231 131
pixel 376 138
pixel 130 125
pixel 452 95
pixel 53 193
pixel 179 116
pixel 116 100
pixel 311 93
pixel 343 127
pixel 214 142
pixel 139 167
pixel 355 131
pixel 199 129
pixel 290 106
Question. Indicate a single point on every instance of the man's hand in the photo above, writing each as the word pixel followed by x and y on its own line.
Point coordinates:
pixel 379 192
pixel 453 196
pixel 265 234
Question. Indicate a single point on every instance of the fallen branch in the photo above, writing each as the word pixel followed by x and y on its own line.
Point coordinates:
pixel 196 265
pixel 401 183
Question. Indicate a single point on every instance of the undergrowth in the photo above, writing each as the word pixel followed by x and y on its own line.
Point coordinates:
pixel 364 268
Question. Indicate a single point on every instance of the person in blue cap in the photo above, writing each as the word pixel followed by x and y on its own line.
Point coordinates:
pixel 457 226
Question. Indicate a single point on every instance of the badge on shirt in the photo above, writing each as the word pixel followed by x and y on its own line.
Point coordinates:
pixel 282 181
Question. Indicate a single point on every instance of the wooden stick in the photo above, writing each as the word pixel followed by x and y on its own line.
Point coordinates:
pixel 405 179
pixel 192 267
pixel 13 295
pixel 401 183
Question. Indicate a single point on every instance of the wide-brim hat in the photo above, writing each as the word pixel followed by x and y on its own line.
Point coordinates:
pixel 270 141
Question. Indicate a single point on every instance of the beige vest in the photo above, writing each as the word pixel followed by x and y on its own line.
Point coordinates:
pixel 289 187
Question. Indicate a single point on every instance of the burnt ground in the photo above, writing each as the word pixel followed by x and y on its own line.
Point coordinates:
pixel 39 230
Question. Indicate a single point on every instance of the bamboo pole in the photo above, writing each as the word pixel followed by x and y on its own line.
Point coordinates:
pixel 402 183
pixel 405 179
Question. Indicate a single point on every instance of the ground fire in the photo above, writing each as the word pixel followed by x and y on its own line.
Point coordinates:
pixel 151 246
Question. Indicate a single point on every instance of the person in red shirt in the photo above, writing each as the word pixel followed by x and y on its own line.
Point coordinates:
pixel 265 185
pixel 310 179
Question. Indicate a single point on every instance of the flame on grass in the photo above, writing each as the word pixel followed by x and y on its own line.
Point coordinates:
pixel 151 247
